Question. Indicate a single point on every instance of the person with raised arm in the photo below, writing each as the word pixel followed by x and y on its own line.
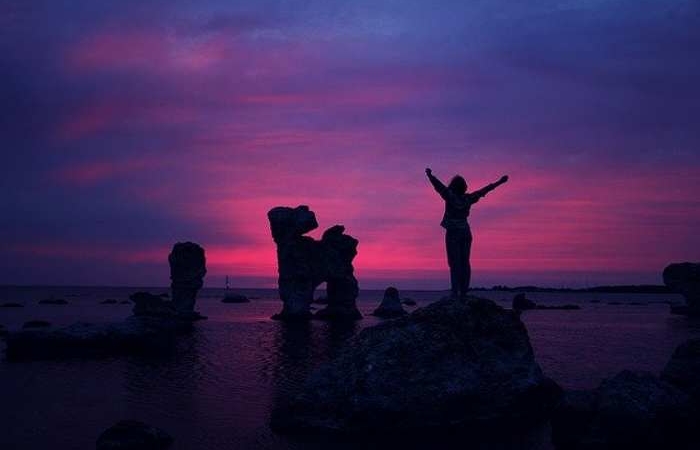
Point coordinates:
pixel 458 235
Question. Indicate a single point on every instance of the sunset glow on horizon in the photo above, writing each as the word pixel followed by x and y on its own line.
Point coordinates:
pixel 129 126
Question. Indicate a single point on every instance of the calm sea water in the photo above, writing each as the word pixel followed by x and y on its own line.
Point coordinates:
pixel 216 390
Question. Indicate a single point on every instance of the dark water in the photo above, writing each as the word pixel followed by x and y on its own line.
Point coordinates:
pixel 216 390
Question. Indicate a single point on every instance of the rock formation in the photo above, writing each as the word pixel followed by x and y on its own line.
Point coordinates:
pixel 187 270
pixel 235 298
pixel 133 435
pixel 522 303
pixel 304 263
pixel 391 305
pixel 151 329
pixel 684 278
pixel 450 364
pixel 635 409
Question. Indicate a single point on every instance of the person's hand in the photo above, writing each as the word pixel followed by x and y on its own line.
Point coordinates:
pixel 428 171
pixel 503 179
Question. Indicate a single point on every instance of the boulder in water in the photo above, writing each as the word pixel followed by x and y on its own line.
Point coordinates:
pixel 449 364
pixel 629 410
pixel 53 301
pixel 133 435
pixel 12 305
pixel 390 306
pixel 109 301
pixel 684 278
pixel 36 324
pixel 235 298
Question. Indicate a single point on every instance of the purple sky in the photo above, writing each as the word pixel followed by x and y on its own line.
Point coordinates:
pixel 128 126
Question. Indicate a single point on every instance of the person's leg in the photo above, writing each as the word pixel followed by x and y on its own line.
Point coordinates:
pixel 467 265
pixel 452 246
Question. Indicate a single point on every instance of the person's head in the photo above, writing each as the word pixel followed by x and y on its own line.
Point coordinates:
pixel 458 185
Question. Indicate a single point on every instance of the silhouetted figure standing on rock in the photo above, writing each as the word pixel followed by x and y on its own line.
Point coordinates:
pixel 458 236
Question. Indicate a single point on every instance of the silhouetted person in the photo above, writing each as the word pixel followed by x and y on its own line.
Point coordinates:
pixel 458 236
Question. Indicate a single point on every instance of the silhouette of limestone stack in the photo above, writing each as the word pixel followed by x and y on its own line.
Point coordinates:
pixel 304 263
pixel 685 279
pixel 187 270
pixel 391 305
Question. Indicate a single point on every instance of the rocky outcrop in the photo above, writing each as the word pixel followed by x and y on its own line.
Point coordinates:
pixel 629 410
pixel 133 435
pixel 390 306
pixel 53 301
pixel 522 303
pixel 450 364
pixel 187 271
pixel 304 263
pixel 683 369
pixel 684 278
pixel 235 298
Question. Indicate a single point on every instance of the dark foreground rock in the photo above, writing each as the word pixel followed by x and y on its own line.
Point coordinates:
pixel 450 364
pixel 683 369
pixel 3 331
pixel 629 410
pixel 684 278
pixel 390 306
pixel 133 435
pixel 53 301
pixel 12 305
pixel 235 298
pixel 304 263
pixel 408 302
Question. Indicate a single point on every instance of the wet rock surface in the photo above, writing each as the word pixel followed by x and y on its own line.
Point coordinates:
pixel 447 365
pixel 133 435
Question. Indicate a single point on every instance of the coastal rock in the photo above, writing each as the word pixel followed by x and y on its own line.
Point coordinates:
pixel 557 307
pixel 149 335
pixel 133 435
pixel 629 410
pixel 109 301
pixel 149 305
pixel 36 324
pixel 53 301
pixel 391 305
pixel 187 271
pixel 12 305
pixel 685 279
pixel 522 303
pixel 235 298
pixel 683 369
pixel 449 364
pixel 408 302
pixel 304 263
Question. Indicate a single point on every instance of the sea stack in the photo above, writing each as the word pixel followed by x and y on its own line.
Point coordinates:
pixel 304 263
pixel 391 305
pixel 187 271
pixel 684 278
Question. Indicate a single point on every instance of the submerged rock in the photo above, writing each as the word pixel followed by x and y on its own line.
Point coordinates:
pixel 36 324
pixel 133 335
pixel 391 305
pixel 629 410
pixel 304 263
pixel 450 364
pixel 685 279
pixel 235 298
pixel 53 301
pixel 187 271
pixel 133 435
pixel 12 305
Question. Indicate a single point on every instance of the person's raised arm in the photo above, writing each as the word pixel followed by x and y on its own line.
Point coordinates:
pixel 490 187
pixel 437 184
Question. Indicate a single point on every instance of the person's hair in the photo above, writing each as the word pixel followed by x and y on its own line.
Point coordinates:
pixel 458 185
